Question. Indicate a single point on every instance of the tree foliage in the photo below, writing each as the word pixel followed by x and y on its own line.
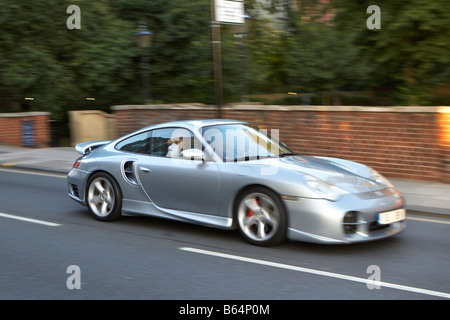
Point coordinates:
pixel 41 58
pixel 410 53
pixel 299 50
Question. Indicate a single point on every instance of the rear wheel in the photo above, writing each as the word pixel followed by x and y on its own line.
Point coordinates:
pixel 261 217
pixel 104 198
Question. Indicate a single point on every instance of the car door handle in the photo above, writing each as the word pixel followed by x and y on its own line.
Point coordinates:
pixel 145 170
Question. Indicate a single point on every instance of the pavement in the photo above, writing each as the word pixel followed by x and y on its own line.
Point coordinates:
pixel 424 196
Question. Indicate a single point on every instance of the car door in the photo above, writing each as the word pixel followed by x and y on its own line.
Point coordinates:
pixel 172 182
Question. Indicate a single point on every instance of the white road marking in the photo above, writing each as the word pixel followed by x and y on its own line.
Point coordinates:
pixel 429 220
pixel 318 272
pixel 45 223
pixel 36 173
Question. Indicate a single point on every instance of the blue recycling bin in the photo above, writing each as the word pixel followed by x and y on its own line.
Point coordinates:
pixel 28 133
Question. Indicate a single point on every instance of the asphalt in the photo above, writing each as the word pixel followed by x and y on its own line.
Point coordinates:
pixel 421 196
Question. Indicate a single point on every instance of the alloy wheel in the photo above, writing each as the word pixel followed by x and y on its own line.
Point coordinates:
pixel 260 218
pixel 101 197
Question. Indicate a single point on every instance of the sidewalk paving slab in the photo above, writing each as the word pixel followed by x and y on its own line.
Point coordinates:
pixel 57 160
pixel 426 196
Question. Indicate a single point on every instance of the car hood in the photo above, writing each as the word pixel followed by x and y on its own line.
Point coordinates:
pixel 347 175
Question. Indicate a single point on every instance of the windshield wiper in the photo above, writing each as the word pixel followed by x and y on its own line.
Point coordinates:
pixel 247 158
pixel 286 154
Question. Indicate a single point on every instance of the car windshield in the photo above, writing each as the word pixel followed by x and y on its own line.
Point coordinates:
pixel 240 142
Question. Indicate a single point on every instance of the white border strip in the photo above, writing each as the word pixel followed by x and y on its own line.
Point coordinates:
pixel 318 272
pixel 45 223
pixel 259 107
pixel 23 114
pixel 429 220
pixel 35 172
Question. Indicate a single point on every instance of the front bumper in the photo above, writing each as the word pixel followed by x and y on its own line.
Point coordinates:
pixel 353 218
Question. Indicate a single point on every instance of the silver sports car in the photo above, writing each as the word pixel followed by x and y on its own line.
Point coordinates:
pixel 233 175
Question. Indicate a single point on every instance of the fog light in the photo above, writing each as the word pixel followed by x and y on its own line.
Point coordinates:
pixel 351 222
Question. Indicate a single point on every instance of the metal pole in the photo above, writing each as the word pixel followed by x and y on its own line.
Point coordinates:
pixel 145 62
pixel 217 60
pixel 243 69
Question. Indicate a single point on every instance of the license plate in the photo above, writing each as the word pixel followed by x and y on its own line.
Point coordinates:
pixel 391 216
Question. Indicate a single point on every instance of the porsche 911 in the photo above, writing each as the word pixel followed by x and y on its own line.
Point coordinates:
pixel 232 175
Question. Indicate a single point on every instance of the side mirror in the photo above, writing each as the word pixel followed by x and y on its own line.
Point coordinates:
pixel 193 154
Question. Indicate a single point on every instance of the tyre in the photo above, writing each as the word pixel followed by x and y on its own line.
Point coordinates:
pixel 261 217
pixel 104 198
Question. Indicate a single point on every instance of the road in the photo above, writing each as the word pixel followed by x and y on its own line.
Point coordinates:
pixel 63 253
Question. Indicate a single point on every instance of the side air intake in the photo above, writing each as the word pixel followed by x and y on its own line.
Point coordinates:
pixel 129 172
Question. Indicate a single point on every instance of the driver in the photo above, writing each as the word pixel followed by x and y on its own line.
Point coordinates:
pixel 175 147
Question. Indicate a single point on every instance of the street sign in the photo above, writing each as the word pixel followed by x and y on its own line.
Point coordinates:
pixel 229 11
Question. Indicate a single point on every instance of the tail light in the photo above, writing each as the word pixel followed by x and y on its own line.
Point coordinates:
pixel 76 164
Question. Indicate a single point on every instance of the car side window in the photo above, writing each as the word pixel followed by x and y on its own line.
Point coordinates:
pixel 170 142
pixel 137 144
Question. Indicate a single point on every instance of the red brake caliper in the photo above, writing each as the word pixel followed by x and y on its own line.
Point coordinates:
pixel 250 212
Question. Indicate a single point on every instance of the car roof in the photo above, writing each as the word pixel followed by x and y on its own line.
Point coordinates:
pixel 191 124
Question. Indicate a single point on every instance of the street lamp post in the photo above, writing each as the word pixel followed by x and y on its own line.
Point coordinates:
pixel 240 32
pixel 144 41
pixel 217 59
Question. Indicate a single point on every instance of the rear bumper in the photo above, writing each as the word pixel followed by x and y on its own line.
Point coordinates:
pixel 76 183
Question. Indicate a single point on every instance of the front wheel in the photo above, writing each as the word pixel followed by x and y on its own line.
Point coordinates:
pixel 261 217
pixel 104 198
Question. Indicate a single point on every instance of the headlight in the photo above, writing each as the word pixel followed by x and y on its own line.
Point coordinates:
pixel 324 190
pixel 378 177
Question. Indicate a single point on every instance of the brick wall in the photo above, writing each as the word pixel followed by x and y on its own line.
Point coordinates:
pixel 403 142
pixel 12 131
pixel 131 118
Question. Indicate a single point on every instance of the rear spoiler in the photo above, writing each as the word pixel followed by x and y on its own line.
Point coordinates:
pixel 87 147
